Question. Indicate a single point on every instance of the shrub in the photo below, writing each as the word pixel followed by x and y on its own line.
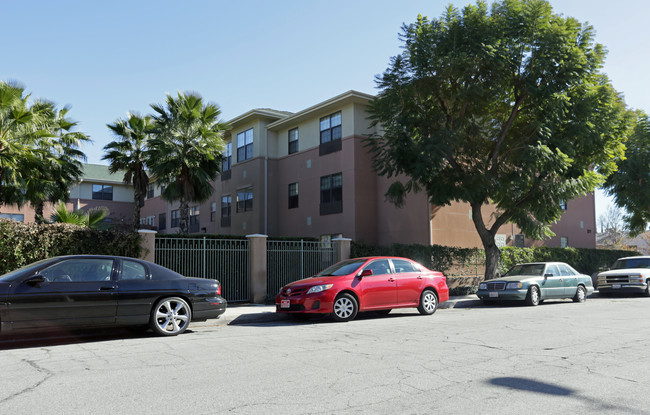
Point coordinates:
pixel 24 243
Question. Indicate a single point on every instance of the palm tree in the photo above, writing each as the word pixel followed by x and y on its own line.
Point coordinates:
pixel 129 153
pixel 185 155
pixel 93 218
pixel 56 164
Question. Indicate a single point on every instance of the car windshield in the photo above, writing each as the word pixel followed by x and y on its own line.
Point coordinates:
pixel 342 268
pixel 632 263
pixel 525 269
pixel 25 270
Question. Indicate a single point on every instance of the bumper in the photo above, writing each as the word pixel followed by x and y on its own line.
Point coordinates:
pixel 208 308
pixel 621 288
pixel 515 295
pixel 318 303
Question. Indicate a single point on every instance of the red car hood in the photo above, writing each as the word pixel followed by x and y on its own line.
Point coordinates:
pixel 311 281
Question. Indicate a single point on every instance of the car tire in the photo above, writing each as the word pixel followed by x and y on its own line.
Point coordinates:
pixel 428 302
pixel 170 316
pixel 532 298
pixel 581 295
pixel 345 308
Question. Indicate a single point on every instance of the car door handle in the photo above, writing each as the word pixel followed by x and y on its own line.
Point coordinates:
pixel 391 280
pixel 106 288
pixel 419 277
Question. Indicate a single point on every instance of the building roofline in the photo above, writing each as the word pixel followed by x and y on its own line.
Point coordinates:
pixel 267 113
pixel 352 96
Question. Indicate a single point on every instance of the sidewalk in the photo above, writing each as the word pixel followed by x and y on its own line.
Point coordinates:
pixel 257 313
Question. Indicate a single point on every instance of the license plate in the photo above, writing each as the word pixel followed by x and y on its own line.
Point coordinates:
pixel 616 285
pixel 493 294
pixel 285 303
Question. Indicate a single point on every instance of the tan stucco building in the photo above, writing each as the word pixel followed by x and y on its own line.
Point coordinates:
pixel 309 174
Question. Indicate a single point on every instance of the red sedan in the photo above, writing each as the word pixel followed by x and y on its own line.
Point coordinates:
pixel 365 284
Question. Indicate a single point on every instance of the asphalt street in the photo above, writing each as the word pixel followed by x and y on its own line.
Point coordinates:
pixel 559 357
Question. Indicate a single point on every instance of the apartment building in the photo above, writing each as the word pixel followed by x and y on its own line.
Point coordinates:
pixel 309 174
pixel 97 187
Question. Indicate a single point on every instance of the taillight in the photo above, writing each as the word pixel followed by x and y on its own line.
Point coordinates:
pixel 219 289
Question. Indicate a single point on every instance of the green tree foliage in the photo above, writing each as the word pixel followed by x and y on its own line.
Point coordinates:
pixel 129 155
pixel 185 153
pixel 630 185
pixel 39 151
pixel 504 106
pixel 92 218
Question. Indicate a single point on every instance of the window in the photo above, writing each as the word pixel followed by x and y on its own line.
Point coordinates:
pixel 331 194
pixel 102 192
pixel 132 270
pixel 176 218
pixel 245 145
pixel 293 195
pixel 563 204
pixel 293 141
pixel 194 218
pixel 148 220
pixel 330 134
pixel 226 164
pixel 79 270
pixel 213 211
pixel 552 269
pixel 226 206
pixel 162 221
pixel 16 217
pixel 566 271
pixel 150 191
pixel 402 265
pixel 379 267
pixel 564 242
pixel 330 128
pixel 245 200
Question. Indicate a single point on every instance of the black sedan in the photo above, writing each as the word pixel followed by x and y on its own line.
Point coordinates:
pixel 96 291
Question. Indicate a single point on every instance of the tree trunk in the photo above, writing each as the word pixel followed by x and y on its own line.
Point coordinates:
pixel 185 217
pixel 136 210
pixel 38 213
pixel 492 252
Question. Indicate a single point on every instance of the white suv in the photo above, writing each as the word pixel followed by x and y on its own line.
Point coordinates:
pixel 630 274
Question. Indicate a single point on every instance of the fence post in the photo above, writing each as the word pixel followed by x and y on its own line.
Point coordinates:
pixel 148 244
pixel 342 248
pixel 257 246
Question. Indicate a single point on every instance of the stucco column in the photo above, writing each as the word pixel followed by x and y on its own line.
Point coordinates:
pixel 343 246
pixel 148 244
pixel 257 250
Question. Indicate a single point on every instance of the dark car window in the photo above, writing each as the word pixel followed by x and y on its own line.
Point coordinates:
pixel 132 270
pixel 379 267
pixel 23 271
pixel 632 263
pixel 342 268
pixel 565 271
pixel 552 269
pixel 79 270
pixel 526 269
pixel 402 265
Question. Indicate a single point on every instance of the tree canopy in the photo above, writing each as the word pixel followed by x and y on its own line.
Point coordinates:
pixel 504 105
pixel 630 184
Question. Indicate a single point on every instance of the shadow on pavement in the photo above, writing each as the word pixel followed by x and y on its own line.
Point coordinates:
pixel 61 337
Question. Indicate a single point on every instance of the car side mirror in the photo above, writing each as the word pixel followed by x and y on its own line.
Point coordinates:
pixel 548 274
pixel 365 273
pixel 36 280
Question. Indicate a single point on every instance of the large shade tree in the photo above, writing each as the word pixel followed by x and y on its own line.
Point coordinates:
pixel 630 184
pixel 129 155
pixel 505 106
pixel 185 153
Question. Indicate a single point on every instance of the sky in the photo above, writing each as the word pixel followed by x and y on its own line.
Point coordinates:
pixel 104 59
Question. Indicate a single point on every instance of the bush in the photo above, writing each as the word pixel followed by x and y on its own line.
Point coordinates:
pixel 24 243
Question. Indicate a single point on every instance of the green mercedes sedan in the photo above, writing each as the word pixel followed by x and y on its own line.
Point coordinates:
pixel 536 282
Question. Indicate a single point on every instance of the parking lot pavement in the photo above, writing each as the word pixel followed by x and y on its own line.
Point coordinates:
pixel 259 313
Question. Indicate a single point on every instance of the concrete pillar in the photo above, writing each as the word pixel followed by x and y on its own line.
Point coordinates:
pixel 343 245
pixel 257 250
pixel 148 244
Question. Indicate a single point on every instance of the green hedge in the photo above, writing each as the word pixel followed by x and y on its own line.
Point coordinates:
pixel 24 243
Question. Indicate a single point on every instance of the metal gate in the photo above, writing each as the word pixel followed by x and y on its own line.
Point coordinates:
pixel 288 261
pixel 223 259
